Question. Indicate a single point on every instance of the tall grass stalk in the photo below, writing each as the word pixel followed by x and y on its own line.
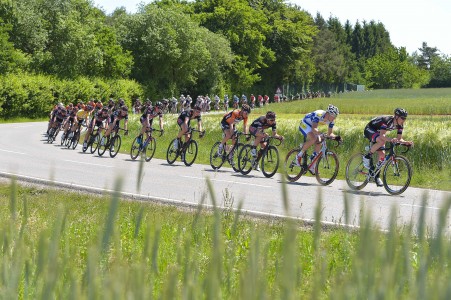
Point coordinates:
pixel 83 247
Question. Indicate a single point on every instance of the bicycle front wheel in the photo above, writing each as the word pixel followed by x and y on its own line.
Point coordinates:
pixel 149 150
pixel 134 151
pixel 245 160
pixel 397 175
pixel 326 168
pixel 270 162
pixel 172 153
pixel 94 141
pixel 292 171
pixel 115 145
pixel 356 173
pixel 190 152
pixel 216 160
pixel 103 143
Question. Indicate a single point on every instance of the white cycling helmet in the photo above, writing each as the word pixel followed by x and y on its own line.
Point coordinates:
pixel 333 110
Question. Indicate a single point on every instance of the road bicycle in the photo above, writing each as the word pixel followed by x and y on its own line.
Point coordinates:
pixel 396 170
pixel 93 141
pixel 74 138
pixel 229 152
pixel 187 150
pixel 325 163
pixel 53 132
pixel 111 142
pixel 144 147
pixel 269 157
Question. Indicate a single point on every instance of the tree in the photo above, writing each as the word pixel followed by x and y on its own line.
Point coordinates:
pixel 10 58
pixel 440 71
pixel 392 69
pixel 427 54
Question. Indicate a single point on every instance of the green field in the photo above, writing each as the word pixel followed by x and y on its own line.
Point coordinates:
pixel 88 247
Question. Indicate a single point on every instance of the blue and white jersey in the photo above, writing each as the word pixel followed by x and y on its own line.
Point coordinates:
pixel 317 117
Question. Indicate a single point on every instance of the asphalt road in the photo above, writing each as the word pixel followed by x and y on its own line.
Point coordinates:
pixel 25 153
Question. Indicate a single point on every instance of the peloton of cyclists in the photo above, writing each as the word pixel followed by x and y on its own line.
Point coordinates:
pixel 375 131
pixel 309 129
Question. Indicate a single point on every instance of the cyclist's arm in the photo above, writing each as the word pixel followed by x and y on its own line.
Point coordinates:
pixel 199 125
pixel 315 130
pixel 126 124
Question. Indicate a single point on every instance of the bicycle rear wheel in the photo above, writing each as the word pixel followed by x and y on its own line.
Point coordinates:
pixel 397 175
pixel 115 145
pixel 270 162
pixel 190 153
pixel 292 171
pixel 326 168
pixel 234 157
pixel 245 160
pixel 172 152
pixel 356 173
pixel 149 150
pixel 216 160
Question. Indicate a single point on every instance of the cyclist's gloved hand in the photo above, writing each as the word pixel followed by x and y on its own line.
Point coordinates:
pixel 248 138
pixel 161 132
pixel 338 139
pixel 126 132
pixel 201 134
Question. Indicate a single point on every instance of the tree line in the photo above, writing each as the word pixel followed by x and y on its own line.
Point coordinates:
pixel 208 47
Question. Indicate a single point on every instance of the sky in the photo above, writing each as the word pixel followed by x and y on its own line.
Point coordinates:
pixel 409 22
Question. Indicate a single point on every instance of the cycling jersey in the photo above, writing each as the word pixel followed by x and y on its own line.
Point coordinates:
pixel 187 114
pixel 384 123
pixel 317 117
pixel 151 114
pixel 83 114
pixel 373 128
pixel 261 123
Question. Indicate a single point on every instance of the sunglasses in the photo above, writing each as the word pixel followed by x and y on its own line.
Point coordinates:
pixel 403 118
pixel 270 120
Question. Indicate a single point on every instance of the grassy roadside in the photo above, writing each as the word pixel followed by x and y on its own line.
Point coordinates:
pixel 82 246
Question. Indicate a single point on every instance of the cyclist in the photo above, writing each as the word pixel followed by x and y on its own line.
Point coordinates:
pixel 70 120
pixel 81 119
pixel 59 116
pixel 97 120
pixel 115 119
pixel 236 100
pixel 184 123
pixel 226 102
pixel 376 130
pixel 229 121
pixel 309 129
pixel 257 129
pixel 147 118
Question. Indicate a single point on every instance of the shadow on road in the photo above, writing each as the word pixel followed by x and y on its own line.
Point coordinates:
pixel 362 193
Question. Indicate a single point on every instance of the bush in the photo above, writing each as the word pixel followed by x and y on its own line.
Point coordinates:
pixel 33 96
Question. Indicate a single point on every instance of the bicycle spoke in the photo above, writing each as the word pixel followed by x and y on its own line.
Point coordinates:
pixel 397 175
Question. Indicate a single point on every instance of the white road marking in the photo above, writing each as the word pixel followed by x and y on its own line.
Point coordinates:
pixel 228 181
pixel 84 163
pixel 15 152
pixel 420 206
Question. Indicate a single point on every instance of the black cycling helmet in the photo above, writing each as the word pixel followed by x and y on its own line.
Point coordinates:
pixel 400 112
pixel 159 104
pixel 246 108
pixel 271 115
pixel 124 108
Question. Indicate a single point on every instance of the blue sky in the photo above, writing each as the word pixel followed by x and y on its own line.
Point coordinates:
pixel 409 22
